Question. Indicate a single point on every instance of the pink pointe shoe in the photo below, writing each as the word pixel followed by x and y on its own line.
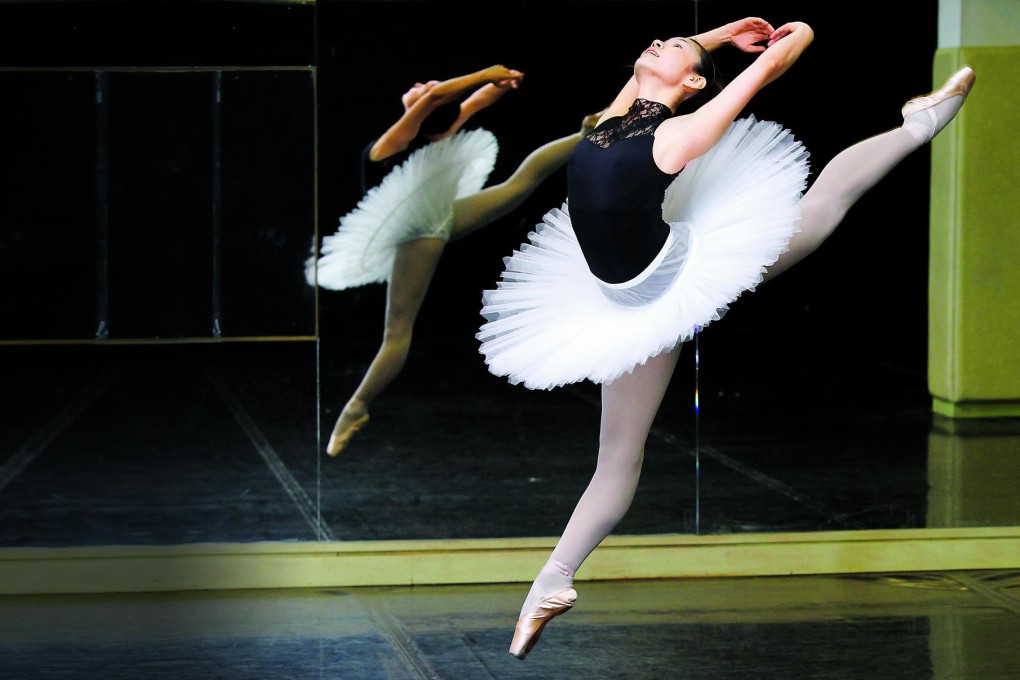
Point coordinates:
pixel 924 111
pixel 530 626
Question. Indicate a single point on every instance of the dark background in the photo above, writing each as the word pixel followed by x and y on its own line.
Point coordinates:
pixel 863 293
pixel 158 169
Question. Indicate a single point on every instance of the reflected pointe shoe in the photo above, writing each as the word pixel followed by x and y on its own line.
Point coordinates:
pixel 530 626
pixel 339 440
pixel 928 114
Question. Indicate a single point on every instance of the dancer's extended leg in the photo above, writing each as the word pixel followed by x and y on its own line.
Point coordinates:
pixel 414 264
pixel 854 171
pixel 491 203
pixel 629 405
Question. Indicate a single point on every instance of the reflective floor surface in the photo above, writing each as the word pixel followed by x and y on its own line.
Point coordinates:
pixel 955 625
pixel 170 444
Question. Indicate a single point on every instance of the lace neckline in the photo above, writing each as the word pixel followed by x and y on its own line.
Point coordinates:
pixel 641 119
pixel 643 109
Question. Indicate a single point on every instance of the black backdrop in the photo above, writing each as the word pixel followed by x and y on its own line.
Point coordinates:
pixel 158 171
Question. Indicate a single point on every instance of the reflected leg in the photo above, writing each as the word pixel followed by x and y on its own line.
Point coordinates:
pixel 490 204
pixel 414 264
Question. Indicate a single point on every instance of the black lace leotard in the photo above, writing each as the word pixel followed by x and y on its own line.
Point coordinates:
pixel 615 193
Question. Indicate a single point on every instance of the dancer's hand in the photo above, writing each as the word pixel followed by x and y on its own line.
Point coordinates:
pixel 746 34
pixel 499 80
pixel 504 77
pixel 787 30
pixel 486 95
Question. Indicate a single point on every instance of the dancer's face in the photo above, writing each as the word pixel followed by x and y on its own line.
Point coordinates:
pixel 671 61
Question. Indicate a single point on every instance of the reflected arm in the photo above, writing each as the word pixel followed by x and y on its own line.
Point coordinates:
pixel 400 135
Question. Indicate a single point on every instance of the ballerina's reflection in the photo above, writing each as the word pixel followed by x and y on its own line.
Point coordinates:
pixel 423 182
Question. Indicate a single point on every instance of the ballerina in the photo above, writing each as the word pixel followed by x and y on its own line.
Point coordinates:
pixel 671 215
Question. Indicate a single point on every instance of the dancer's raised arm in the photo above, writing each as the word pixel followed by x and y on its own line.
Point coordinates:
pixel 684 138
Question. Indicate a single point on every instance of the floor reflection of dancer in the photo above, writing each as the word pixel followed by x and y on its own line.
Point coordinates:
pixel 642 254
pixel 423 182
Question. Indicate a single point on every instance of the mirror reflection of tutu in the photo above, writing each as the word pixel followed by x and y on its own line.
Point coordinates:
pixel 415 200
pixel 731 212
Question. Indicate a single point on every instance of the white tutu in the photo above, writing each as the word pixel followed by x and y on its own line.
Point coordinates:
pixel 415 200
pixel 731 213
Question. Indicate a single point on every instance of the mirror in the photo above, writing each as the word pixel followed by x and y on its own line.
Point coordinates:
pixel 160 267
pixel 159 340
pixel 171 378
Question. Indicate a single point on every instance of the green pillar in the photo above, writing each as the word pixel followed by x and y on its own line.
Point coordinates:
pixel 974 268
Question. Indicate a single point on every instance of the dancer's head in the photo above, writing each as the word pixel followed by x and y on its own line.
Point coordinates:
pixel 440 119
pixel 416 92
pixel 706 68
pixel 682 66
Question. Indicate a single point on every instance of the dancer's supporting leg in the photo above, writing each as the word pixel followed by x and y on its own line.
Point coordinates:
pixel 854 171
pixel 629 405
pixel 413 267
